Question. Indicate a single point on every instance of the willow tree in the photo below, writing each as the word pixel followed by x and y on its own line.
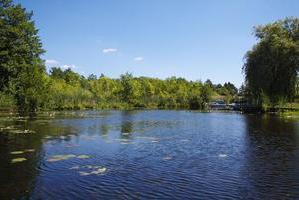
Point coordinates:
pixel 272 65
pixel 22 70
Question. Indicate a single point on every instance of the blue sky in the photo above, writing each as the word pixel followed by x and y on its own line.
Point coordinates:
pixel 193 39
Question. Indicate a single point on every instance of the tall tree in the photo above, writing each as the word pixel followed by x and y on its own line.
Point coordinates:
pixel 22 70
pixel 272 65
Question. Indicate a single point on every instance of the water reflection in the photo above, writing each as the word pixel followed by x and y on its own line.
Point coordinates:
pixel 127 124
pixel 17 179
pixel 271 159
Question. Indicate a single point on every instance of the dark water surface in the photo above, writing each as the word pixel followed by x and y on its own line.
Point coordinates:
pixel 149 155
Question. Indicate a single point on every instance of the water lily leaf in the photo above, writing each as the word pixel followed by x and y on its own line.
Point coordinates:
pixel 127 143
pixel 56 158
pixel 83 156
pixel 167 158
pixel 98 171
pixel 16 152
pixel 16 160
pixel 122 140
pixel 75 167
pixel 84 173
pixel 29 150
pixel 184 140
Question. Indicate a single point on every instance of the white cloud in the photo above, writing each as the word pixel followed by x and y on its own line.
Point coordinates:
pixel 109 50
pixel 51 62
pixel 68 66
pixel 138 59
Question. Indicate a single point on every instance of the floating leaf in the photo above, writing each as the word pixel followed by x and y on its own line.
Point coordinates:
pixel 28 131
pixel 167 158
pixel 29 150
pixel 99 171
pixel 83 156
pixel 122 140
pixel 71 146
pixel 184 140
pixel 75 167
pixel 127 143
pixel 16 160
pixel 84 173
pixel 16 152
pixel 61 157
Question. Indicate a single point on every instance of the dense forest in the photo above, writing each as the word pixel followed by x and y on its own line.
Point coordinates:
pixel 270 70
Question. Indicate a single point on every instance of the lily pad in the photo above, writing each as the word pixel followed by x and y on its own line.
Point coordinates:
pixel 16 152
pixel 56 158
pixel 75 167
pixel 29 150
pixel 83 156
pixel 98 171
pixel 122 140
pixel 28 131
pixel 71 145
pixel 127 143
pixel 16 160
pixel 184 140
pixel 167 158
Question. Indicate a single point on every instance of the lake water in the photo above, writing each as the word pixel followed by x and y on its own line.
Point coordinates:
pixel 149 155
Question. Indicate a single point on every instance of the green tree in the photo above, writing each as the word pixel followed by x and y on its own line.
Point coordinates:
pixel 205 95
pixel 22 70
pixel 272 65
pixel 130 92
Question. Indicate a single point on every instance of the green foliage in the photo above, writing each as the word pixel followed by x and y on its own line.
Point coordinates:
pixel 272 65
pixel 6 101
pixel 21 68
pixel 69 90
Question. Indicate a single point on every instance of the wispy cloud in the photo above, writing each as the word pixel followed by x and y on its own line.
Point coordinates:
pixel 138 59
pixel 51 62
pixel 109 50
pixel 68 66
